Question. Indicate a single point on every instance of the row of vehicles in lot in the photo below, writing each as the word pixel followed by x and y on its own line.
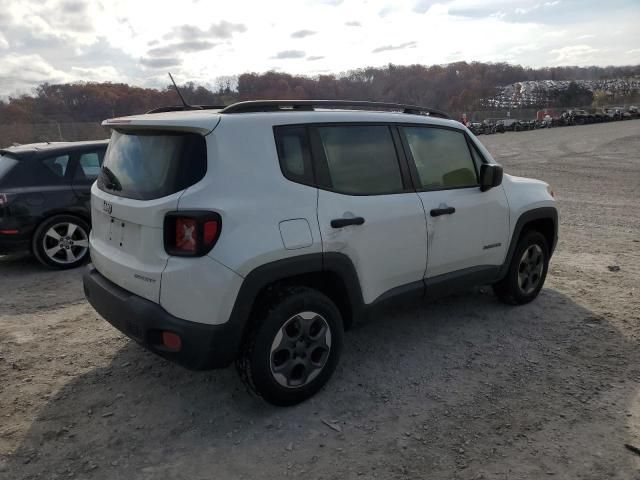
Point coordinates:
pixel 257 233
pixel 550 119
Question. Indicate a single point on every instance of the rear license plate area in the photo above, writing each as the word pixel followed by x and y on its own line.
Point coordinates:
pixel 116 233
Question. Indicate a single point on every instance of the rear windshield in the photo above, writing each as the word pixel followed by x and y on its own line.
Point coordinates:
pixel 148 165
pixel 6 164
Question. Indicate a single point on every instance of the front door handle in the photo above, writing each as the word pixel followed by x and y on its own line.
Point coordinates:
pixel 436 212
pixel 344 222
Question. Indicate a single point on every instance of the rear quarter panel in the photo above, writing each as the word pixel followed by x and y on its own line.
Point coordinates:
pixel 245 185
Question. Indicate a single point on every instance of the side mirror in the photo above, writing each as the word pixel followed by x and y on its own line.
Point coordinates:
pixel 490 176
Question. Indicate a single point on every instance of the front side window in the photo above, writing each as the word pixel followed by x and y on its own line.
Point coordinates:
pixel 442 158
pixel 361 160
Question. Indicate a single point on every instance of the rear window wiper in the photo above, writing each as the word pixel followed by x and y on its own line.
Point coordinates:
pixel 114 183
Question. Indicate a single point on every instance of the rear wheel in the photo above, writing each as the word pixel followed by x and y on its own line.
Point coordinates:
pixel 527 271
pixel 62 241
pixel 294 347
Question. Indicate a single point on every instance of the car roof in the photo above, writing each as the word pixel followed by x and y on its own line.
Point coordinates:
pixel 205 119
pixel 30 149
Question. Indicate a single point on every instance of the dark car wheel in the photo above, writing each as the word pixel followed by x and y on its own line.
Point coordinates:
pixel 527 271
pixel 62 241
pixel 294 347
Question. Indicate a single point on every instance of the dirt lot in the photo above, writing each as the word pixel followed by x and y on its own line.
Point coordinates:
pixel 463 387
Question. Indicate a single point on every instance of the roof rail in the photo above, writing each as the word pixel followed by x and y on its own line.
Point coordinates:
pixel 180 108
pixel 307 105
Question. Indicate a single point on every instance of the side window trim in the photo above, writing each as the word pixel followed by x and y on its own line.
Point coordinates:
pixel 412 164
pixel 407 181
pixel 321 167
pixel 413 170
pixel 474 149
pixel 74 164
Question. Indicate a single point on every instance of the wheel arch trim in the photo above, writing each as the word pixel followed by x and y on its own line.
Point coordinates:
pixel 541 213
pixel 263 276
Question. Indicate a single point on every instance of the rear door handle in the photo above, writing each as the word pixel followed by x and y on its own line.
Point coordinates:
pixel 344 222
pixel 436 212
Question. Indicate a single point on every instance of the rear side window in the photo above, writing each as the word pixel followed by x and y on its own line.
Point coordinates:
pixel 6 165
pixel 361 159
pixel 442 158
pixel 38 172
pixel 148 165
pixel 56 166
pixel 294 153
pixel 88 168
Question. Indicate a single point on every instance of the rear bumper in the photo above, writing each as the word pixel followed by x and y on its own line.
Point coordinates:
pixel 203 346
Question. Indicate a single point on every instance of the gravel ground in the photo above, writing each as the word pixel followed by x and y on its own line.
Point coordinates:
pixel 462 387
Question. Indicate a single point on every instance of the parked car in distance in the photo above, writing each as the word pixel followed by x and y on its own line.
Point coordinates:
pixel 45 200
pixel 611 114
pixel 259 232
pixel 509 124
pixel 477 128
pixel 580 117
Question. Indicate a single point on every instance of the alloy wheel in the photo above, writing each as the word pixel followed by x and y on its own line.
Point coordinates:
pixel 65 243
pixel 300 349
pixel 530 269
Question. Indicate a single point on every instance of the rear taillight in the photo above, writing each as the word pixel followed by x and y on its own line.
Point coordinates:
pixel 4 199
pixel 191 233
pixel 186 235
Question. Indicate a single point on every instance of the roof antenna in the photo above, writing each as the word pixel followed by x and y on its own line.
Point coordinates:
pixel 185 104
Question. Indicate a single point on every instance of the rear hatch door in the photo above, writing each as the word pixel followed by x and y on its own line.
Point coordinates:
pixel 145 171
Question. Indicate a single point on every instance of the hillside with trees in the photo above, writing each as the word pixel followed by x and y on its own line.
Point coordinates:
pixel 455 87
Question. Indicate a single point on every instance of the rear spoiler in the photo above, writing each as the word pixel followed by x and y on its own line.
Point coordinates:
pixel 16 155
pixel 195 123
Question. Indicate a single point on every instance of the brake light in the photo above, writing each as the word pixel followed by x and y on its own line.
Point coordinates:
pixel 186 234
pixel 210 232
pixel 191 233
pixel 4 199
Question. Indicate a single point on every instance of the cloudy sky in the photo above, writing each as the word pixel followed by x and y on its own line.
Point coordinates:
pixel 138 41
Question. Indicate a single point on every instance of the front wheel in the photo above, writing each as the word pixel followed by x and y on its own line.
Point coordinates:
pixel 527 271
pixel 294 346
pixel 62 241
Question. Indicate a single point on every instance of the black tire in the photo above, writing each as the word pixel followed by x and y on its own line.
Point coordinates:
pixel 276 315
pixel 514 288
pixel 73 250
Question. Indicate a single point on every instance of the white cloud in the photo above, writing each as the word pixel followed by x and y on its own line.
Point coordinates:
pixel 574 54
pixel 136 42
pixel 20 73
pixel 105 73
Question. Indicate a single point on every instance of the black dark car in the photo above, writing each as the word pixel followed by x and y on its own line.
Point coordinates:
pixel 45 200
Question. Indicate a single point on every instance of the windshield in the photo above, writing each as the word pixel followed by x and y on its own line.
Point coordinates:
pixel 148 165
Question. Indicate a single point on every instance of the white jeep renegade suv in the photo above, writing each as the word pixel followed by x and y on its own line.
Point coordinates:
pixel 259 232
